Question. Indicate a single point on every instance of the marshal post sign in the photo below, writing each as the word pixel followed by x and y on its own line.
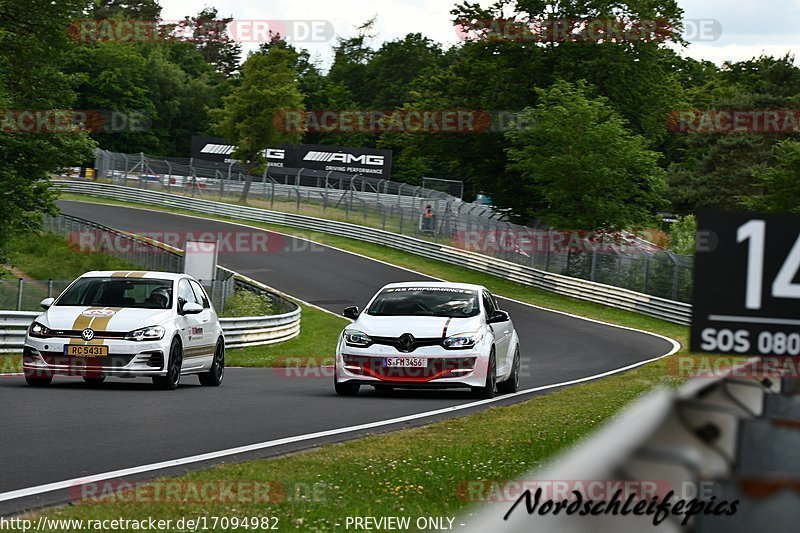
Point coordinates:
pixel 349 160
pixel 747 284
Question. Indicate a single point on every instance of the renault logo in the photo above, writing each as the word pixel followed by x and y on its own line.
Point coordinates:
pixel 406 342
pixel 87 334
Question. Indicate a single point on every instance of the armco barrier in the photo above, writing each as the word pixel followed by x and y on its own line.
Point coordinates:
pixel 620 298
pixel 733 437
pixel 239 332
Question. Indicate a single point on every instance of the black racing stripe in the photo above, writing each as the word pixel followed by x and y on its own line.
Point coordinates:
pixel 446 325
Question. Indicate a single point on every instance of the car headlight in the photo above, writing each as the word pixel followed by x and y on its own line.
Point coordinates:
pixel 151 333
pixel 39 330
pixel 462 341
pixel 354 337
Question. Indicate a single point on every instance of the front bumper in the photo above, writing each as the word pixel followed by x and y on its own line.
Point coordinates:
pixel 444 369
pixel 128 359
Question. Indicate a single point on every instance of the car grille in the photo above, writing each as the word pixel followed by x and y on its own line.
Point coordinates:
pixel 76 334
pixel 110 361
pixel 438 367
pixel 395 342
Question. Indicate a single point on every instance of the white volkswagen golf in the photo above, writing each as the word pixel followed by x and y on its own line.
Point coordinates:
pixel 127 324
pixel 430 334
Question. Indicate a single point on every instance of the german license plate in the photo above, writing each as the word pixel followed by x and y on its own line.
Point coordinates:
pixel 405 362
pixel 77 350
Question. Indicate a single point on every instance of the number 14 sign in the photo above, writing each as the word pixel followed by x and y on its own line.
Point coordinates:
pixel 747 284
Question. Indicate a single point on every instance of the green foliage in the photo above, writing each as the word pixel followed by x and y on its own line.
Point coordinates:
pixel 210 34
pixel 33 45
pixel 780 181
pixel 718 170
pixel 683 235
pixel 244 303
pixel 48 256
pixel 247 116
pixel 578 166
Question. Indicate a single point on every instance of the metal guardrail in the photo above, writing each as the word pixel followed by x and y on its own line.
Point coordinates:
pixel 733 437
pixel 608 295
pixel 239 332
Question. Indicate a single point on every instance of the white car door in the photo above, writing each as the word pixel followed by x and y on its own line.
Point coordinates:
pixel 502 335
pixel 191 327
pixel 207 341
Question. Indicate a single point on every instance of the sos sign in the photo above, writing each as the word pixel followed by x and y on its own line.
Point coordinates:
pixel 747 284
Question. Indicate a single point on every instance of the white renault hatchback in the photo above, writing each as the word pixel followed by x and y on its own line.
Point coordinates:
pixel 429 334
pixel 127 324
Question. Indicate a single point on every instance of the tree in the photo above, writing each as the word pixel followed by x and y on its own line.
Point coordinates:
pixel 210 34
pixel 350 60
pixel 574 164
pixel 780 181
pixel 149 10
pixel 113 80
pixel 248 115
pixel 709 163
pixel 682 235
pixel 33 43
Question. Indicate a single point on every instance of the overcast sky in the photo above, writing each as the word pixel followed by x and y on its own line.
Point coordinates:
pixel 748 27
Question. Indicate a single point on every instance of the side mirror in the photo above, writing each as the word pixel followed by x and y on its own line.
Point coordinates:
pixel 47 303
pixel 192 308
pixel 351 312
pixel 498 316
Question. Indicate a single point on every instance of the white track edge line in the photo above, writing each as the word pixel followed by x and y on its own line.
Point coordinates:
pixel 61 485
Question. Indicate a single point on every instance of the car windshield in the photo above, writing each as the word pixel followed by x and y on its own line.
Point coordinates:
pixel 425 301
pixel 119 292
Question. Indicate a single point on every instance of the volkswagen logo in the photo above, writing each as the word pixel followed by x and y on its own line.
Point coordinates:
pixel 406 342
pixel 87 334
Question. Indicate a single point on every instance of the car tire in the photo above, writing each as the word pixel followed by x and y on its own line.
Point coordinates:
pixel 214 376
pixel 173 377
pixel 487 391
pixel 38 378
pixel 345 389
pixel 511 385
pixel 94 381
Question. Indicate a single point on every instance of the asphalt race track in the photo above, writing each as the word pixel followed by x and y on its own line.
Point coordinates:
pixel 70 430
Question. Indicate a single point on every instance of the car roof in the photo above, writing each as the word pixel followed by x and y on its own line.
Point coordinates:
pixel 434 284
pixel 135 274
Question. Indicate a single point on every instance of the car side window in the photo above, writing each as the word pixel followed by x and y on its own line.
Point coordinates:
pixel 200 294
pixel 488 303
pixel 185 293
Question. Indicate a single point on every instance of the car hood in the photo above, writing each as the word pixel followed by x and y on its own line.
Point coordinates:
pixel 419 326
pixel 102 319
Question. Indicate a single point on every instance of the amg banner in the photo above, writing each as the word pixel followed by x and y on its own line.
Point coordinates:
pixel 364 161
pixel 219 150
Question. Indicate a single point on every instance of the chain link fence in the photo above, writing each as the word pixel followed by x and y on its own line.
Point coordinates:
pixel 25 295
pixel 621 260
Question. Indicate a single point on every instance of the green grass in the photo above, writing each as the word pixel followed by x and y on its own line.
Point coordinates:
pixel 316 344
pixel 46 256
pixel 244 303
pixel 414 472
